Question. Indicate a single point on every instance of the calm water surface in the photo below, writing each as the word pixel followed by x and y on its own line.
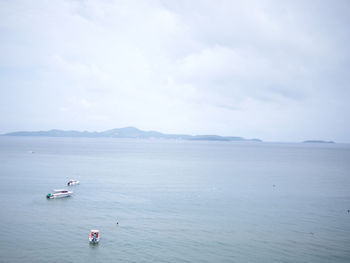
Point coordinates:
pixel 175 201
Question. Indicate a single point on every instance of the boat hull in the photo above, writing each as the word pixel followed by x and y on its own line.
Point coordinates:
pixel 54 196
pixel 94 236
pixel 94 241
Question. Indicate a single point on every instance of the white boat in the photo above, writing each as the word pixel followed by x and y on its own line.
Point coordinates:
pixel 59 193
pixel 94 236
pixel 73 182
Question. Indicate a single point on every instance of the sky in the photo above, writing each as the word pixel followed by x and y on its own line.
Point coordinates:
pixel 274 70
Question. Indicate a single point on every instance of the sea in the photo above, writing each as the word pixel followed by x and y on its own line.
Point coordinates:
pixel 174 201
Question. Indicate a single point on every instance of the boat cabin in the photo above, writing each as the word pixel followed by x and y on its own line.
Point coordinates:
pixel 63 191
pixel 95 233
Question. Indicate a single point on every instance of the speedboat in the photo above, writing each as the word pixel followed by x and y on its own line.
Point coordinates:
pixel 73 182
pixel 59 193
pixel 94 236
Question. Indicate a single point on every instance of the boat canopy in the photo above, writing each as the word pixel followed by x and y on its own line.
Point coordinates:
pixel 60 190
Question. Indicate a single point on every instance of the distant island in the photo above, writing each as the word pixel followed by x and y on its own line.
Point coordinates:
pixel 317 141
pixel 128 132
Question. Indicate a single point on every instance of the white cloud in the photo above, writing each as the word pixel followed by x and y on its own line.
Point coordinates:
pixel 241 68
pixel 63 109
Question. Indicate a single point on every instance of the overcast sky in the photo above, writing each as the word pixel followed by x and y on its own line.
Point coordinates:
pixel 275 70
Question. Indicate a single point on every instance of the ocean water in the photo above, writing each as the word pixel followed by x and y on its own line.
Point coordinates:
pixel 175 201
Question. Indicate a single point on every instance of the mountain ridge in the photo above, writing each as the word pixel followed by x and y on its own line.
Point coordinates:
pixel 127 132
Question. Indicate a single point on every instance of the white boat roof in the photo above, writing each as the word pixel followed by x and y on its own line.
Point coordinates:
pixel 60 190
pixel 95 230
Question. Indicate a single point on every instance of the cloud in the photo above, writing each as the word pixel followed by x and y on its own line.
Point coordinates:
pixel 63 109
pixel 230 67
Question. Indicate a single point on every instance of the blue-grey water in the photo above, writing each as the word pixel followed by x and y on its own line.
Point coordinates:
pixel 175 201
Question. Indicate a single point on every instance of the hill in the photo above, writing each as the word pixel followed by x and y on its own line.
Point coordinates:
pixel 127 132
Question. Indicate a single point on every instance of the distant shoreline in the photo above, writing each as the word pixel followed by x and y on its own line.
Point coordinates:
pixel 317 141
pixel 134 133
pixel 128 132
